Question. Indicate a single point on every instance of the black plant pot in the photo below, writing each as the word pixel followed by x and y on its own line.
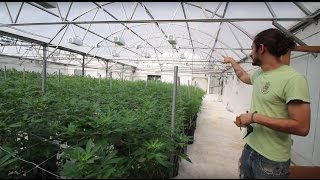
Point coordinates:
pixel 192 128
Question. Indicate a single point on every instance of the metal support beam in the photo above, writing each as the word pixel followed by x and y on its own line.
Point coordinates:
pixel 304 24
pixel 216 37
pixel 87 54
pixel 15 21
pixel 90 24
pixel 174 98
pixel 161 21
pixel 238 41
pixel 8 12
pixel 83 64
pixel 270 9
pixel 44 70
pixel 302 8
pixel 42 43
pixel 284 30
pixel 107 67
pixel 185 16
pixel 123 23
pixel 204 12
pixel 156 23
pixel 215 14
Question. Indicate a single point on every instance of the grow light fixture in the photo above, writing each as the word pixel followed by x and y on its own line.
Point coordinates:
pixel 118 40
pixel 6 41
pixel 138 46
pixel 75 40
pixel 147 55
pixel 47 5
pixel 172 39
pixel 115 54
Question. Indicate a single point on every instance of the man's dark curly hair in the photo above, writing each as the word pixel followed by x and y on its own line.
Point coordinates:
pixel 275 41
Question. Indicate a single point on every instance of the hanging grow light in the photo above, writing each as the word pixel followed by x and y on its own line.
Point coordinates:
pixel 115 54
pixel 172 39
pixel 75 40
pixel 118 40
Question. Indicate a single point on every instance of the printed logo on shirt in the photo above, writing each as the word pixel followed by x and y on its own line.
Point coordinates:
pixel 265 88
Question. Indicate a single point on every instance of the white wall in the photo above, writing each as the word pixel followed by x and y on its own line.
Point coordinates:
pixel 185 79
pixel 308 148
pixel 36 66
pixel 237 98
pixel 27 65
pixel 201 82
pixel 236 95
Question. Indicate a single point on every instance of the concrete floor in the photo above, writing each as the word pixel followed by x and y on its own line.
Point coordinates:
pixel 217 144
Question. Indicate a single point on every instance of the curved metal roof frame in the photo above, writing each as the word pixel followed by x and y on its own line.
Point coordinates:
pixel 143 22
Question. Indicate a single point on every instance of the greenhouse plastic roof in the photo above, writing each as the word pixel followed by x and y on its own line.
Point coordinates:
pixel 153 36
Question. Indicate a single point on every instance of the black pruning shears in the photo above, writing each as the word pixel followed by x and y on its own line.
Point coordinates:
pixel 249 130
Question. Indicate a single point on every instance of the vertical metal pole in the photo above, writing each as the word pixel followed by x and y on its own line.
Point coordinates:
pixel 175 78
pixel 208 87
pixel 174 99
pixel 44 69
pixel 99 78
pixel 188 88
pixel 24 75
pixel 111 80
pixel 107 70
pixel 59 76
pixel 179 88
pixel 122 73
pixel 5 72
pixel 82 65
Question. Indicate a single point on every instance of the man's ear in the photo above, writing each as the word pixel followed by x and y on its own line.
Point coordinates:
pixel 262 48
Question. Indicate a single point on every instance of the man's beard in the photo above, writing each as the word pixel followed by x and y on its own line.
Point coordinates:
pixel 256 62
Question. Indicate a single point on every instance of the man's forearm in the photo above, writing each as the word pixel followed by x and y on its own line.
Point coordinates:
pixel 289 126
pixel 238 69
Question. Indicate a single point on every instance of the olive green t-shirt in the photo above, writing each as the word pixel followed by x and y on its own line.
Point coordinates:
pixel 272 90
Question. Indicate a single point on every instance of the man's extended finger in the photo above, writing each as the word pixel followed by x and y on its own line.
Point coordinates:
pixel 237 123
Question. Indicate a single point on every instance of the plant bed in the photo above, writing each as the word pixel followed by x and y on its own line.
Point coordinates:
pixel 86 128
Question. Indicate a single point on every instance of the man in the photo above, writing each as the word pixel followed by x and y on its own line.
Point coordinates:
pixel 280 106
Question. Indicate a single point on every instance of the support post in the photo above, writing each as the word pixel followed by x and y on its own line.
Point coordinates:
pixel 59 76
pixel 188 88
pixel 209 80
pixel 111 80
pixel 82 66
pixel 5 72
pixel 174 99
pixel 44 69
pixel 24 75
pixel 107 70
pixel 173 117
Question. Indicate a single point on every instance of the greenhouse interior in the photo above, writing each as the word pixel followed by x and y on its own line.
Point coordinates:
pixel 136 90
